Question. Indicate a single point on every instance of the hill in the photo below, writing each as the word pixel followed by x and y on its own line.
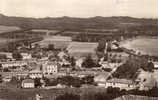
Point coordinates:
pixel 98 22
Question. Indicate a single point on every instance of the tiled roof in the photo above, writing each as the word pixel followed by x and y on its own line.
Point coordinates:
pixel 28 81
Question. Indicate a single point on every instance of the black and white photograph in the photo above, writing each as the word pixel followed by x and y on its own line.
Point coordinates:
pixel 78 49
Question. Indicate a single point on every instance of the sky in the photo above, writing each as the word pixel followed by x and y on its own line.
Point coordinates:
pixel 79 8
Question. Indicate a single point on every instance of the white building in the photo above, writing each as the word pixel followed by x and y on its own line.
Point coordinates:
pixel 26 55
pixel 9 64
pixel 79 62
pixel 28 83
pixel 120 83
pixel 50 68
pixel 101 79
pixel 155 65
pixel 35 74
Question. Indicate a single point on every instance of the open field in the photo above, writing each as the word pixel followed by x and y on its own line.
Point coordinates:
pixel 146 45
pixel 29 94
pixel 8 28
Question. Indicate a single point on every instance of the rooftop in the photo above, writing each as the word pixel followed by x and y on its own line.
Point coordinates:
pixel 28 81
pixel 101 77
pixel 122 81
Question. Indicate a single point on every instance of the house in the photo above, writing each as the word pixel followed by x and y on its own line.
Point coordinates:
pixel 7 78
pixel 82 49
pixel 37 73
pixel 9 64
pixel 61 54
pixel 155 65
pixel 26 56
pixel 106 64
pixel 120 83
pixel 28 83
pixel 79 62
pixel 101 79
pixel 50 68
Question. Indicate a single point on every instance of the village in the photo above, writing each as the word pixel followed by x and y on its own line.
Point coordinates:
pixel 59 62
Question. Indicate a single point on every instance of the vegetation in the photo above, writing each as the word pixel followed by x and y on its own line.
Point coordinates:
pixel 17 56
pixel 68 96
pixel 70 81
pixel 129 69
pixel 51 47
pixel 89 63
pixel 0 78
pixel 101 45
pixel 107 69
pixel 37 82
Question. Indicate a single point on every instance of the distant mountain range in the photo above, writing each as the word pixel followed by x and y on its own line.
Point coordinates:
pixel 71 23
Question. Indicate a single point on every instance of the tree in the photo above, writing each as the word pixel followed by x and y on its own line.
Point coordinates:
pixel 106 57
pixel 72 60
pixel 17 56
pixel 88 63
pixel 127 70
pixel 88 79
pixel 68 96
pixel 1 67
pixel 150 66
pixel 37 82
pixel 101 45
pixel 51 47
pixel 6 70
pixel 0 78
pixel 3 56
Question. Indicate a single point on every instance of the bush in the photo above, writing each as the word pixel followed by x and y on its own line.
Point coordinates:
pixel 107 69
pixel 68 96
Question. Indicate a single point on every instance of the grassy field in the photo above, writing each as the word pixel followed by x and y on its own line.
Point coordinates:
pixel 145 45
pixel 13 93
pixel 8 28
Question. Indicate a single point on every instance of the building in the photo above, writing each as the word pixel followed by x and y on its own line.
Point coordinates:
pixel 50 68
pixel 9 64
pixel 155 65
pixel 120 83
pixel 106 64
pixel 79 62
pixel 28 83
pixel 26 56
pixel 7 79
pixel 35 74
pixel 82 49
pixel 62 54
pixel 101 79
